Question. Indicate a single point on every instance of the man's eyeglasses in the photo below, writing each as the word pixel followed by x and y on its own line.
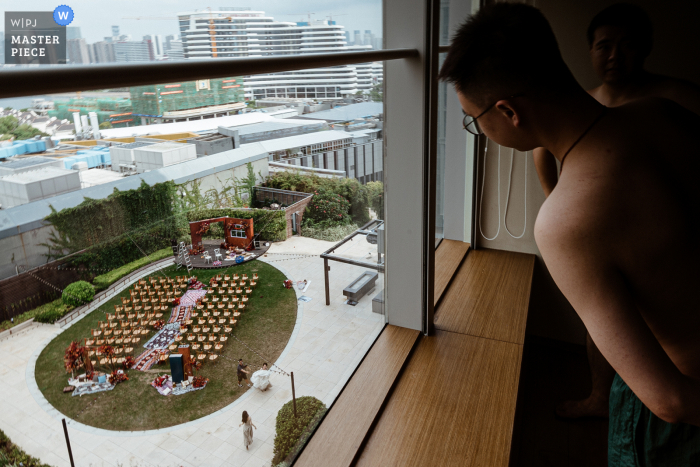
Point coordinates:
pixel 472 126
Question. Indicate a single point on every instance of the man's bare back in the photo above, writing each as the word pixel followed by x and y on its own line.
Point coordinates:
pixel 627 210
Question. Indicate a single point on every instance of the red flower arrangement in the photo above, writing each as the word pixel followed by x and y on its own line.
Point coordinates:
pixel 158 325
pixel 161 380
pixel 199 381
pixel 129 362
pixel 116 377
pixel 204 228
pixel 73 358
pixel 176 301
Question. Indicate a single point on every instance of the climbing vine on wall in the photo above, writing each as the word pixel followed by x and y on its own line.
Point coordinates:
pixel 107 231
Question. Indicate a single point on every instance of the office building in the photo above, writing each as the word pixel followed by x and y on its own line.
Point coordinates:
pixel 77 51
pixel 133 51
pixel 72 32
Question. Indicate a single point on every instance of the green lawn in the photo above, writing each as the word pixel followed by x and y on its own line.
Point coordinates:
pixel 265 326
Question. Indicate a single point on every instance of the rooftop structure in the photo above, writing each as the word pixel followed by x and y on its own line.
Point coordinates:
pixel 15 166
pixel 160 155
pixel 277 129
pixel 206 125
pixel 123 155
pixel 96 177
pixel 25 187
pixel 308 144
pixel 348 112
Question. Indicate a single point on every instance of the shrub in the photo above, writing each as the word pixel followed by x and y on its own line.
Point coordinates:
pixel 105 280
pixel 78 293
pixel 329 234
pixel 52 312
pixel 348 188
pixel 12 455
pixel 328 208
pixel 291 433
pixel 375 194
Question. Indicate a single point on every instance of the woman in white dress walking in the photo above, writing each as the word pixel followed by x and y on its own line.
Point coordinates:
pixel 248 430
pixel 261 378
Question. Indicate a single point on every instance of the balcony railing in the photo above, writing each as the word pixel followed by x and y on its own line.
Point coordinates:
pixel 68 78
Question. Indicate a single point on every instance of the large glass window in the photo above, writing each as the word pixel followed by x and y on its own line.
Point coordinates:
pixel 194 214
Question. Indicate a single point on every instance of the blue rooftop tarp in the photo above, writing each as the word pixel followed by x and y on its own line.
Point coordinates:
pixel 22 147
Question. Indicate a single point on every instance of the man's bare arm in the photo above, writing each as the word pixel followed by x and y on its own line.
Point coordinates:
pixel 546 166
pixel 579 258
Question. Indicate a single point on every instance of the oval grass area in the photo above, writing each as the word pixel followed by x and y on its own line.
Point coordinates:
pixel 265 326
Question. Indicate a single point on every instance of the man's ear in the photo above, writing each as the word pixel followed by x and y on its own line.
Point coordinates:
pixel 506 108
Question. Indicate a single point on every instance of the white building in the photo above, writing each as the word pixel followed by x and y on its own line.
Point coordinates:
pixel 132 51
pixel 236 33
pixel 77 51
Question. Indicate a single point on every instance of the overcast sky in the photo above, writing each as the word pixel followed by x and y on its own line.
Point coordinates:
pixel 95 17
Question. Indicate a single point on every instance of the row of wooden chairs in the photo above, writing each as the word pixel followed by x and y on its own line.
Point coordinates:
pixel 235 277
pixel 112 340
pixel 213 302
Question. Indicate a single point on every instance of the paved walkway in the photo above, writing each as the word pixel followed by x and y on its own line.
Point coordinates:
pixel 327 344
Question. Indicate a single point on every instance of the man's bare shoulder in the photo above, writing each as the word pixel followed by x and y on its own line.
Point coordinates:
pixel 576 214
pixel 680 91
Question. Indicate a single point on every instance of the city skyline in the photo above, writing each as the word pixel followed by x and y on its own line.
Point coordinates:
pixel 89 16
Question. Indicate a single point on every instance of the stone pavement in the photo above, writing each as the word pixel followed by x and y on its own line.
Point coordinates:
pixel 327 344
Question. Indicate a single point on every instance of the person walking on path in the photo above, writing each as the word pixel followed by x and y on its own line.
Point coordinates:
pixel 242 373
pixel 248 430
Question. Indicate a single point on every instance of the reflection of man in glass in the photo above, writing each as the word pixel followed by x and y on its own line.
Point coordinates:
pixel 620 39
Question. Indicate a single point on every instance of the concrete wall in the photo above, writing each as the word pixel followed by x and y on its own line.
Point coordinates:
pixel 675 43
pixel 221 179
pixel 23 249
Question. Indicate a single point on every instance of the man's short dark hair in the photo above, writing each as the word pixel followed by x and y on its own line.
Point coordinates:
pixel 505 48
pixel 630 17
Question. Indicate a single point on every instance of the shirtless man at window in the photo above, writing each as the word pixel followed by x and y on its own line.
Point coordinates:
pixel 620 39
pixel 619 234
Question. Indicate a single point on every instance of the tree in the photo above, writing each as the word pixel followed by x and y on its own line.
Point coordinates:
pixel 248 183
pixel 26 131
pixel 10 125
pixel 377 93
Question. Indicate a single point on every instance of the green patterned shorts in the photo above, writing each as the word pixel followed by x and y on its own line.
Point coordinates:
pixel 638 438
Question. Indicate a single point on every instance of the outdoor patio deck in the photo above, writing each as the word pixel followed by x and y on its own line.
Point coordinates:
pixel 198 261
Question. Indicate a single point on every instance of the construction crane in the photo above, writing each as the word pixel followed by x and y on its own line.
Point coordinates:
pixel 212 33
pixel 330 17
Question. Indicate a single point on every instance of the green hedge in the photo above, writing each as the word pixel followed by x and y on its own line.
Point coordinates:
pixel 78 293
pixel 291 433
pixel 349 188
pixel 12 455
pixel 376 197
pixel 105 280
pixel 116 230
pixel 51 312
pixel 272 225
pixel 329 234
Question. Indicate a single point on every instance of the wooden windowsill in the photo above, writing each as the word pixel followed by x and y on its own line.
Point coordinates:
pixel 451 400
